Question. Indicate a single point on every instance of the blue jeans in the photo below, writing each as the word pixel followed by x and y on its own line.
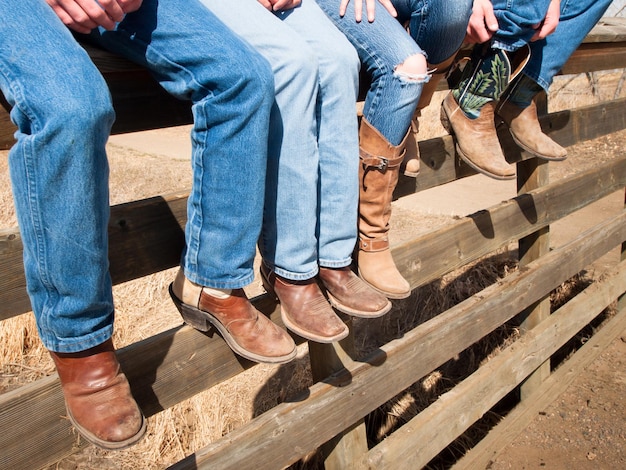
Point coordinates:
pixel 548 56
pixel 59 170
pixel 437 30
pixel 312 196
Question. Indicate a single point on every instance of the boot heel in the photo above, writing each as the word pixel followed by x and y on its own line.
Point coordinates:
pixel 267 286
pixel 445 121
pixel 192 316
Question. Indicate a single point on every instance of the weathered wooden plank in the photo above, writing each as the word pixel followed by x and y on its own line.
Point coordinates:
pixel 53 438
pixel 430 256
pixel 175 365
pixel 140 247
pixel 282 435
pixel 12 281
pixel 517 420
pixel 163 370
pixel 147 236
pixel 440 164
pixel 592 57
pixel 423 437
pixel 608 29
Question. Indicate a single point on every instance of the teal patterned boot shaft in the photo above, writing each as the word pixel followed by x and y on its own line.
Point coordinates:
pixel 487 76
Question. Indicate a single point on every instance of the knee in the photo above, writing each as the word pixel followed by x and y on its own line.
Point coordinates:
pixel 414 68
pixel 344 60
pixel 87 105
pixel 297 67
pixel 256 74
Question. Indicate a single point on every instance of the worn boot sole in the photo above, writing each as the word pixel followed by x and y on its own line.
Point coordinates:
pixel 108 445
pixel 389 295
pixel 531 151
pixel 336 303
pixel 203 321
pixel 293 326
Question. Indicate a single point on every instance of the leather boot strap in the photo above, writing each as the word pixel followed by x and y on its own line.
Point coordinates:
pixel 379 162
pixel 371 245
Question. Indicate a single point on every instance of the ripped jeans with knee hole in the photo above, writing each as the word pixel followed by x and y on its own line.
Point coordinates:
pixel 437 29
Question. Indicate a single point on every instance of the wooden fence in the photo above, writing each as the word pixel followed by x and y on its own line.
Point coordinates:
pixel 146 236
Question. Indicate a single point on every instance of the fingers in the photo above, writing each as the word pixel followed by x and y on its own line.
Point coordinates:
pixel 389 7
pixel 83 15
pixel 280 5
pixel 128 6
pixel 483 22
pixel 342 7
pixel 550 22
pixel 358 10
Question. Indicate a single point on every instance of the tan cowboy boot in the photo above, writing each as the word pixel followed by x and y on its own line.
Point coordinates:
pixel 518 110
pixel 439 71
pixel 468 110
pixel 98 397
pixel 378 175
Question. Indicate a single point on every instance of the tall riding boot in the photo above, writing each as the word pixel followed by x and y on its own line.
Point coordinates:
pixel 378 175
pixel 468 110
pixel 439 71
pixel 518 111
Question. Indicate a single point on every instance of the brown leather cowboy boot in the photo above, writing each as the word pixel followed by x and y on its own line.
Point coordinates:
pixel 378 175
pixel 351 295
pixel 303 308
pixel 439 71
pixel 98 397
pixel 247 331
pixel 518 110
pixel 468 110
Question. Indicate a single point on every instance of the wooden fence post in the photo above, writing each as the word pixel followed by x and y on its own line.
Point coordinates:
pixel 532 174
pixel 341 451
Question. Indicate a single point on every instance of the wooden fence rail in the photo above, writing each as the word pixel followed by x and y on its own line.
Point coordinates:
pixel 146 236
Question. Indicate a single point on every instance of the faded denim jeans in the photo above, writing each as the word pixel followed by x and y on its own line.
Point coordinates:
pixel 437 30
pixel 59 171
pixel 312 193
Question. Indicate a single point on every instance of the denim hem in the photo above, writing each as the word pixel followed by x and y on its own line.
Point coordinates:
pixel 335 264
pixel 72 345
pixel 295 276
pixel 232 284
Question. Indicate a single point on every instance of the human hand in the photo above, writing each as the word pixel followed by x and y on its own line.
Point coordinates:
pixel 370 7
pixel 482 23
pixel 280 5
pixel 549 23
pixel 84 15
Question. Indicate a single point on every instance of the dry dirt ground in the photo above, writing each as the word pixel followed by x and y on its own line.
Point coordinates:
pixel 583 428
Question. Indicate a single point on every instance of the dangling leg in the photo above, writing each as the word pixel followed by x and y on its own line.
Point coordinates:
pixel 518 111
pixel 378 176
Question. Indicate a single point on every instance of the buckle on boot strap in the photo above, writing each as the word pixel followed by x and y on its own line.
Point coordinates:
pixel 379 162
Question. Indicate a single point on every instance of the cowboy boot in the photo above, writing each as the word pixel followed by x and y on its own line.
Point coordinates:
pixel 518 111
pixel 468 110
pixel 98 398
pixel 439 71
pixel 247 331
pixel 303 307
pixel 378 175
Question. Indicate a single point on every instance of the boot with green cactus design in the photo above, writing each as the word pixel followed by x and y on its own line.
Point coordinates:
pixel 468 110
